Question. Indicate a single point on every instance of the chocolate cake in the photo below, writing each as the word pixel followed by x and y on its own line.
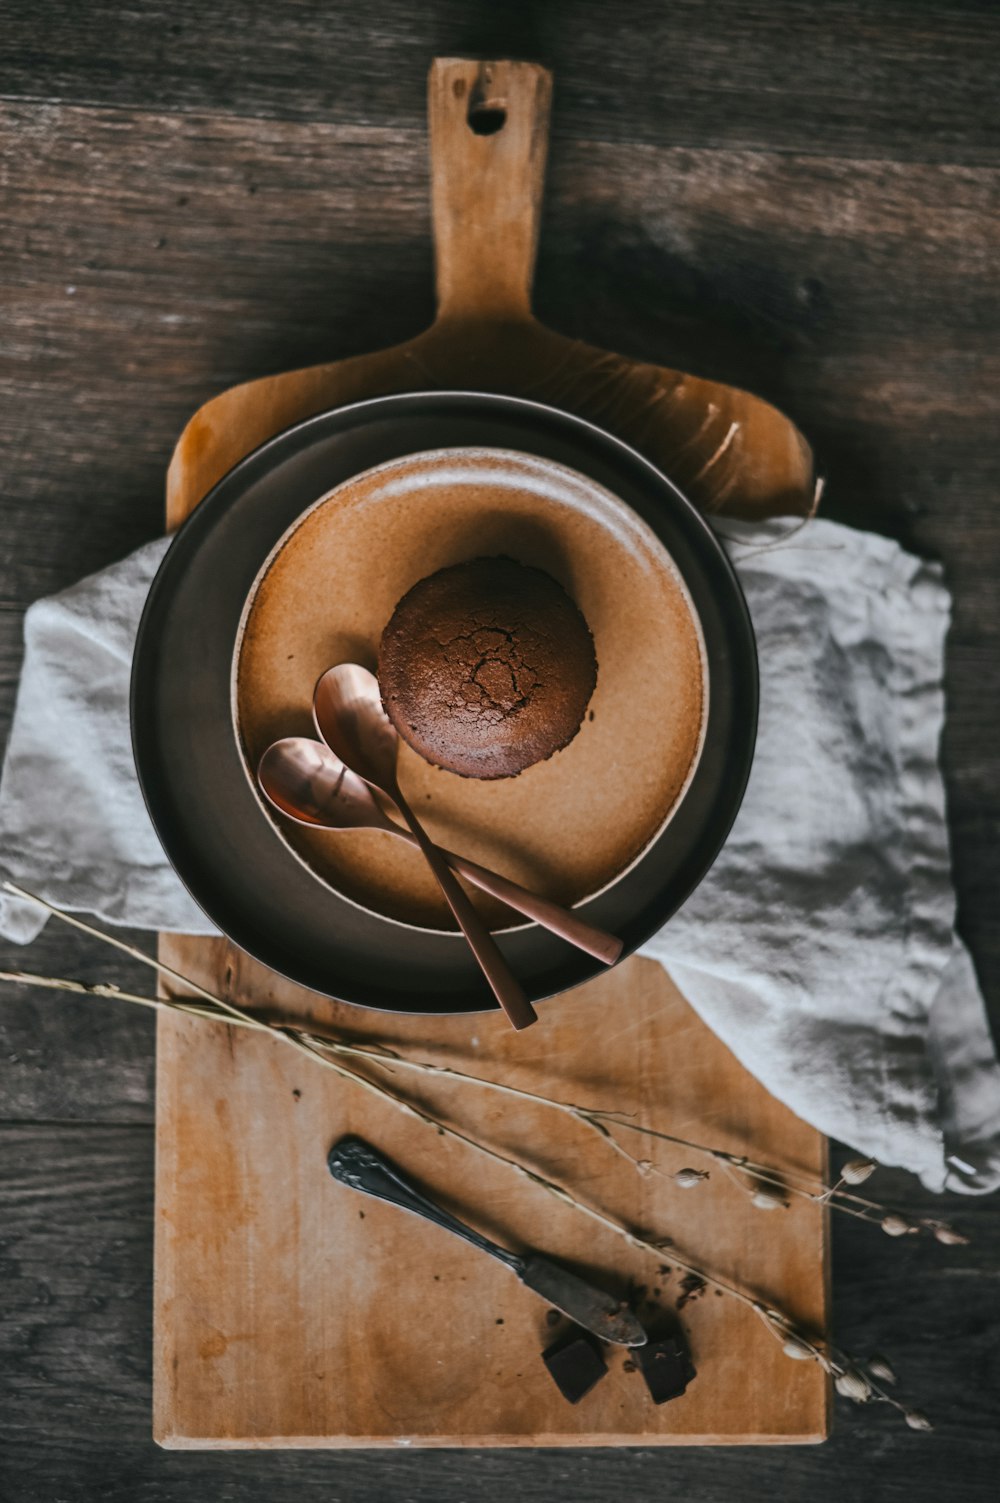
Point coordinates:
pixel 487 667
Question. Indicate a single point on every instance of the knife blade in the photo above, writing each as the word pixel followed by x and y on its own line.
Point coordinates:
pixel 597 1312
pixel 356 1163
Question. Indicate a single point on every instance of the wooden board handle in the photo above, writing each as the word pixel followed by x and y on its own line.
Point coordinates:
pixel 489 125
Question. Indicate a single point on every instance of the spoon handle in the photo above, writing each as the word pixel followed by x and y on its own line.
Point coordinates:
pixel 481 942
pixel 552 916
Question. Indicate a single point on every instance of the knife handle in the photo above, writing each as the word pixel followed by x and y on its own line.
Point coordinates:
pixel 356 1163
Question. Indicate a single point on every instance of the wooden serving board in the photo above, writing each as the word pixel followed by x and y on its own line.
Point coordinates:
pixel 288 1310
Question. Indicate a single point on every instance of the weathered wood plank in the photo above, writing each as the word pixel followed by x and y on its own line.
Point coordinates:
pixel 250 1225
pixel 172 256
pixel 73 1059
pixel 75 1253
pixel 906 78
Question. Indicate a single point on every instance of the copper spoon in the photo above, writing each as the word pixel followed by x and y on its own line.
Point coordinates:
pixel 347 709
pixel 305 780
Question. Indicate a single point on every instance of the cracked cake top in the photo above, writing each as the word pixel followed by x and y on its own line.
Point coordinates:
pixel 487 667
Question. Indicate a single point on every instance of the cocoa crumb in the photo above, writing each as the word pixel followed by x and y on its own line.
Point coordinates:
pixel 691 1287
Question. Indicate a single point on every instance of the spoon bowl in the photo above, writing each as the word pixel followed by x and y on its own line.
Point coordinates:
pixel 348 713
pixel 307 782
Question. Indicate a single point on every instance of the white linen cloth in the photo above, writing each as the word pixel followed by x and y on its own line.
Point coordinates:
pixel 821 946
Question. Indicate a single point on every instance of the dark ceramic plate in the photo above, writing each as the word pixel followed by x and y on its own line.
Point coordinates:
pixel 229 855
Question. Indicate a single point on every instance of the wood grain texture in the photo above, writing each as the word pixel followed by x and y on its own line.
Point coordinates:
pixel 288 1311
pixel 301 238
pixel 910 79
pixel 727 450
pixel 75 1360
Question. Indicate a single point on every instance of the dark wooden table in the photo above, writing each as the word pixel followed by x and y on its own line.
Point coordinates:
pixel 797 197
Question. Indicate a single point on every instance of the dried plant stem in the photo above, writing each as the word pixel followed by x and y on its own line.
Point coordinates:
pixel 82 988
pixel 109 990
pixel 749 1175
pixel 127 949
pixel 854 1380
pixel 381 1055
pixel 784 1179
pixel 390 1058
pixel 318 1048
pixel 373 1053
pixel 321 1050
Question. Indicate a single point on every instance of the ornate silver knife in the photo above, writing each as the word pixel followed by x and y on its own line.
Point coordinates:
pixel 354 1162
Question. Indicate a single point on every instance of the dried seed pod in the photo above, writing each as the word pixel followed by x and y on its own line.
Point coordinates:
pixel 917 1420
pixel 851 1385
pixel 769 1200
pixel 688 1178
pixel 857 1171
pixel 895 1225
pixel 644 1166
pixel 949 1236
pixel 882 1368
pixel 794 1347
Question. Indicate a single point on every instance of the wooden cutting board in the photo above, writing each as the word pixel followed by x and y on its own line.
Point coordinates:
pixel 288 1310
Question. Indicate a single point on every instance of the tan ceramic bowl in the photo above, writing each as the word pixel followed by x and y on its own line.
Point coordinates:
pixel 568 827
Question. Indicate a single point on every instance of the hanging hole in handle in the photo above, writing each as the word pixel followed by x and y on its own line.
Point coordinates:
pixel 486 116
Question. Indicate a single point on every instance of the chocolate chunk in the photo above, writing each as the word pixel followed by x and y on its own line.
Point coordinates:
pixel 666 1367
pixel 576 1365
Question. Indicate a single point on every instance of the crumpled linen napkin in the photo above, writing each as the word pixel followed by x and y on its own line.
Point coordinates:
pixel 821 946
